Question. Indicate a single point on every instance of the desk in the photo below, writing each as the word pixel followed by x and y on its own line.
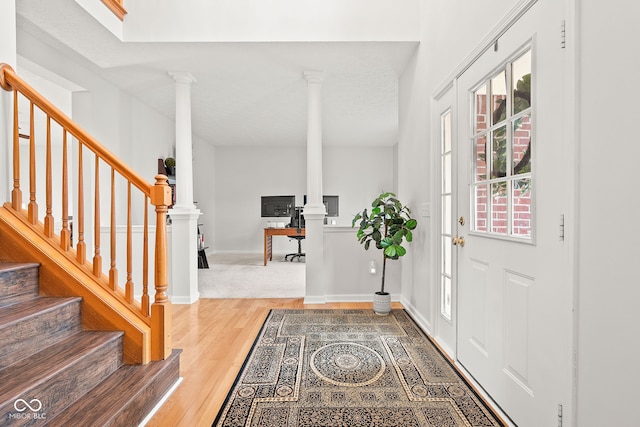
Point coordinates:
pixel 269 232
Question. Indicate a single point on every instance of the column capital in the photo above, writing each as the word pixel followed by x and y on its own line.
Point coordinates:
pixel 314 76
pixel 182 77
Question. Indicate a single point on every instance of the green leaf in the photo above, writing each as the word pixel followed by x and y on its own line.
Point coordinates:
pixel 390 251
pixel 366 244
pixel 409 236
pixel 411 224
pixel 386 242
pixel 400 250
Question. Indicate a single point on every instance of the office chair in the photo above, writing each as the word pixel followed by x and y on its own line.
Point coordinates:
pixel 297 221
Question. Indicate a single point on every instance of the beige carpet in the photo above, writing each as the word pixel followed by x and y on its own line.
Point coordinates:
pixel 245 276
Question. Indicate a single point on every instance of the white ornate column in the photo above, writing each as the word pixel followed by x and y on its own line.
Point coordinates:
pixel 184 156
pixel 184 215
pixel 314 210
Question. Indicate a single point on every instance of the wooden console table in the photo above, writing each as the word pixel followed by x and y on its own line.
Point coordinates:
pixel 269 232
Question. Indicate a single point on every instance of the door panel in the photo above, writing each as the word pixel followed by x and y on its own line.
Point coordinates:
pixel 478 305
pixel 513 183
pixel 516 326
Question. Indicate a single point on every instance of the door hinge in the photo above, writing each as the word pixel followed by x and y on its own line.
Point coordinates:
pixel 563 34
pixel 561 228
pixel 559 414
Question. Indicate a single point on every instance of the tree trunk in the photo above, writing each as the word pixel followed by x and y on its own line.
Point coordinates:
pixel 384 257
pixel 384 267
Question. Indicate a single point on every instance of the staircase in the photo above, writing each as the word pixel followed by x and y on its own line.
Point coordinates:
pixel 52 372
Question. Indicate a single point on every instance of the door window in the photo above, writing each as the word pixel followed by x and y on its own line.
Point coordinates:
pixel 445 198
pixel 502 182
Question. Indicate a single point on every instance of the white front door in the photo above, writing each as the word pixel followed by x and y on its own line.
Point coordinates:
pixel 513 191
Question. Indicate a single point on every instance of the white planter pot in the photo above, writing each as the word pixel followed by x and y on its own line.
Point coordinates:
pixel 382 303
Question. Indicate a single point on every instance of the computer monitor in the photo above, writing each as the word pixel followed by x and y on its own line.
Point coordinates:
pixel 277 206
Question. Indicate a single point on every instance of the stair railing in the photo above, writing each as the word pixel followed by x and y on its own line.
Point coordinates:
pixel 71 137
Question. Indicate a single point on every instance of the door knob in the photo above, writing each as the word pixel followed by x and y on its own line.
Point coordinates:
pixel 458 241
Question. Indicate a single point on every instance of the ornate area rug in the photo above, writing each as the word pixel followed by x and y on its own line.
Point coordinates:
pixel 348 368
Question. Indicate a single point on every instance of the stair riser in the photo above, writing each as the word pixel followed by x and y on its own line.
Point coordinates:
pixel 18 285
pixel 69 384
pixel 37 332
pixel 138 408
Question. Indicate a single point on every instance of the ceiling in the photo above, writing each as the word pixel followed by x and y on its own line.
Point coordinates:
pixel 249 94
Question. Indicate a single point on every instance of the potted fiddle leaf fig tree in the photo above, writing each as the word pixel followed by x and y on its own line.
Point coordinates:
pixel 387 226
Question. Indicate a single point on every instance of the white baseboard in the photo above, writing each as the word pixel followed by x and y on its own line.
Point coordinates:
pixel 315 300
pixel 345 298
pixel 187 300
pixel 424 324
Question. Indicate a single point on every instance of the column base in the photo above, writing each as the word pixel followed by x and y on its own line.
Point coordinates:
pixel 183 285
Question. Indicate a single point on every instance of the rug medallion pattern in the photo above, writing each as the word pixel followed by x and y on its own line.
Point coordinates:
pixel 335 368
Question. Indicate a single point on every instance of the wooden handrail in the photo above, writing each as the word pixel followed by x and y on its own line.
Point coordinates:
pixel 157 314
pixel 116 7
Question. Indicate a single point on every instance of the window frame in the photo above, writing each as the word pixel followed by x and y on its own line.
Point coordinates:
pixel 509 178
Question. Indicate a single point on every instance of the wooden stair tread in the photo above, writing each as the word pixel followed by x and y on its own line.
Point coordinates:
pixel 102 405
pixel 12 266
pixel 45 364
pixel 13 313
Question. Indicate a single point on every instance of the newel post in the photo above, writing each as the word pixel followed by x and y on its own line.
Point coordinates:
pixel 161 307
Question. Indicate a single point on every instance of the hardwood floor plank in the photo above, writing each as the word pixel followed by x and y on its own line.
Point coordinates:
pixel 216 336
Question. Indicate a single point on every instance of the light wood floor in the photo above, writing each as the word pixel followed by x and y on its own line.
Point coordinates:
pixel 216 336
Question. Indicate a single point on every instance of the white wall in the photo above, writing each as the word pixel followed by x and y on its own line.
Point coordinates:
pixel 204 188
pixel 244 174
pixel 608 290
pixel 276 20
pixel 357 175
pixel 8 55
pixel 131 130
pixel 347 275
